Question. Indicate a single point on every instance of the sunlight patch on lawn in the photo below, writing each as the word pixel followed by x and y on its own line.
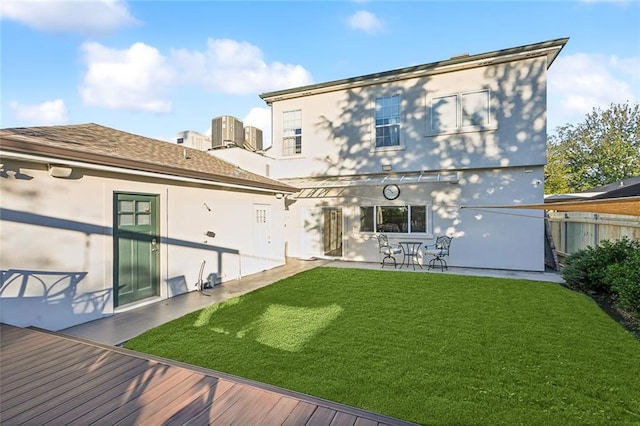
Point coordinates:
pixel 289 328
pixel 205 314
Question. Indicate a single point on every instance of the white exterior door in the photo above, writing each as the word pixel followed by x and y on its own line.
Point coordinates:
pixel 262 235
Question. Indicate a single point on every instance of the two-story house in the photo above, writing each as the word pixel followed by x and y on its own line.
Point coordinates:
pixel 401 151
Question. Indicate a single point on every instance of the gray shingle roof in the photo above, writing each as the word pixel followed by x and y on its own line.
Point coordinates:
pixel 96 144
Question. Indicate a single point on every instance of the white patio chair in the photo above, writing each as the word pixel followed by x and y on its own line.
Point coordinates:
pixel 439 250
pixel 388 250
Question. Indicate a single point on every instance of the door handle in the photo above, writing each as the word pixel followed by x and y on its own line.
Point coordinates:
pixel 154 247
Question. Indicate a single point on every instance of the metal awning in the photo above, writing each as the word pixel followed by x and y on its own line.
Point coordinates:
pixel 334 186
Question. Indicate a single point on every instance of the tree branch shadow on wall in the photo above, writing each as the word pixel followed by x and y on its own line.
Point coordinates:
pixel 518 111
pixel 54 299
pixel 53 295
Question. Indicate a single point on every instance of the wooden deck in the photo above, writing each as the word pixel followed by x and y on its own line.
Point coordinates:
pixel 46 378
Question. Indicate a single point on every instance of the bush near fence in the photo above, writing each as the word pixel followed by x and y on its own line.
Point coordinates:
pixel 612 268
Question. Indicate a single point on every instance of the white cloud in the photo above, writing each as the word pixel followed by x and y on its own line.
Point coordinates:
pixel 365 21
pixel 578 83
pixel 79 16
pixel 229 66
pixel 46 113
pixel 134 79
pixel 140 77
pixel 260 118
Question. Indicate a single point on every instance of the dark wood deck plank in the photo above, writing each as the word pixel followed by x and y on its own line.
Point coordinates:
pixel 300 414
pixel 322 416
pixel 147 389
pixel 34 354
pixel 41 399
pixel 59 380
pixel 87 391
pixel 8 331
pixel 39 372
pixel 167 409
pixel 280 411
pixel 10 334
pixel 202 400
pixel 343 419
pixel 218 407
pixel 47 378
pixel 108 400
pixel 254 405
pixel 13 341
pixel 366 422
pixel 155 399
pixel 27 344
pixel 36 381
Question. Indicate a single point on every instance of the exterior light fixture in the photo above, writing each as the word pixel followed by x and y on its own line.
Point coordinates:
pixel 59 171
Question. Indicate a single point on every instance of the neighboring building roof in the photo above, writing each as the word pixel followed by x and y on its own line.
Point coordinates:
pixel 625 188
pixel 95 144
pixel 550 49
pixel 629 187
pixel 621 197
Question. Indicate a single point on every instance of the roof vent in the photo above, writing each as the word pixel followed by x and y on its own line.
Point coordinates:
pixel 460 56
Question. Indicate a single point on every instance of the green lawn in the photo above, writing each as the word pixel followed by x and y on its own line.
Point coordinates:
pixel 428 348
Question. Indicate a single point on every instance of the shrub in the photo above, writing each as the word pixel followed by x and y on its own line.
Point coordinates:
pixel 588 268
pixel 624 279
pixel 577 268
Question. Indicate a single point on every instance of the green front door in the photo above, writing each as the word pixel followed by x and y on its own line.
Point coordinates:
pixel 136 248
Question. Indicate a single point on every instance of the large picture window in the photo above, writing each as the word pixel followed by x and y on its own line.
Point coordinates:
pixel 387 119
pixel 393 219
pixel 292 133
pixel 460 111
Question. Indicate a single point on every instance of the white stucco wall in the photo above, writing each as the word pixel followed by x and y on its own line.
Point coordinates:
pixel 483 238
pixel 247 160
pixel 338 131
pixel 57 249
pixel 500 164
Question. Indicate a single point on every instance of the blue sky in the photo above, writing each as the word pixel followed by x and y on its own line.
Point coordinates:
pixel 155 68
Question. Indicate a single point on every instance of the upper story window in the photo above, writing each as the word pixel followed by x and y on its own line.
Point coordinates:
pixel 292 132
pixel 460 111
pixel 387 119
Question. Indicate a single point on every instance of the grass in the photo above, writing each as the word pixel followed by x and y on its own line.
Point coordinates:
pixel 428 348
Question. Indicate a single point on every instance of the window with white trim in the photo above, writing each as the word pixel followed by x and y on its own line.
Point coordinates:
pixel 465 110
pixel 393 219
pixel 292 133
pixel 387 121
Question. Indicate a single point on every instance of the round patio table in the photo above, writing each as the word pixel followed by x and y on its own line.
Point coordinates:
pixel 411 251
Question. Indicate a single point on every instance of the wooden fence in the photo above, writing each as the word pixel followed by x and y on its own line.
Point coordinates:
pixel 574 231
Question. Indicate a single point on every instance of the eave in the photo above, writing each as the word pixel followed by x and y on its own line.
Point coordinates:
pixel 65 155
pixel 549 49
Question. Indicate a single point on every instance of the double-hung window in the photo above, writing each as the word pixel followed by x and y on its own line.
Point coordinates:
pixel 292 133
pixel 393 219
pixel 387 121
pixel 461 111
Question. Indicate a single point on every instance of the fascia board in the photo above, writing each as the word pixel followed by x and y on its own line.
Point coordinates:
pixel 549 49
pixel 41 157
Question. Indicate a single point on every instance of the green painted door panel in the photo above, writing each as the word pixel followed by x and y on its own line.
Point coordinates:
pixel 136 248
